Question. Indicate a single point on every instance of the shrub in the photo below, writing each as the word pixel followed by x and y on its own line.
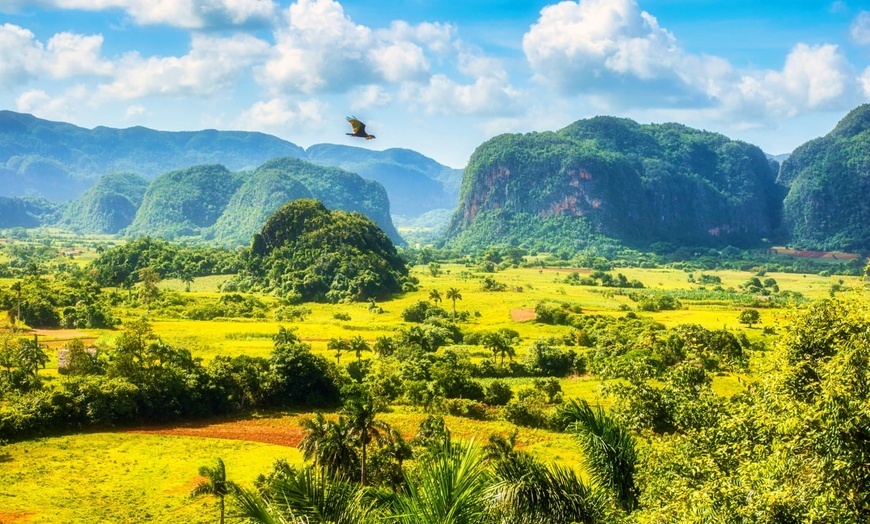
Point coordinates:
pixel 498 393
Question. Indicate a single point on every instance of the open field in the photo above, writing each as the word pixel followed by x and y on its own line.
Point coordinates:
pixel 143 475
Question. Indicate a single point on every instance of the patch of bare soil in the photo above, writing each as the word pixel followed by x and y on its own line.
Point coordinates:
pixel 268 431
pixel 523 314
pixel 15 517
pixel 564 270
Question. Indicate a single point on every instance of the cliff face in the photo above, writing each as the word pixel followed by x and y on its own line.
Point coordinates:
pixel 616 178
pixel 828 179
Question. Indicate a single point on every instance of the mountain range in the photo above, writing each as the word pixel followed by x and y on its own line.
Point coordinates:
pixel 602 179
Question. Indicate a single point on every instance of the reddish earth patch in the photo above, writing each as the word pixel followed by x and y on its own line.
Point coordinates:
pixel 271 431
pixel 522 314
pixel 834 255
pixel 14 517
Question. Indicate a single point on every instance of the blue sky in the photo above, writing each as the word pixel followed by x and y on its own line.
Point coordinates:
pixel 437 77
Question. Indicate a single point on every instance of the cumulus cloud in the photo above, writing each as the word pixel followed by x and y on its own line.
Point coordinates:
pixel 66 55
pixel 370 96
pixel 212 65
pixel 486 96
pixel 319 48
pixel 190 14
pixel 63 107
pixel 282 115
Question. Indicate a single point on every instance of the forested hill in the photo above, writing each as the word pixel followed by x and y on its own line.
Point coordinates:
pixel 827 207
pixel 108 206
pixel 59 161
pixel 615 178
pixel 210 202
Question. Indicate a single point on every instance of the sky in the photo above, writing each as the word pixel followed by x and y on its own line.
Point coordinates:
pixel 438 77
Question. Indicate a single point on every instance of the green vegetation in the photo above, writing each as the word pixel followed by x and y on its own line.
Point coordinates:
pixel 608 178
pixel 305 252
pixel 108 206
pixel 827 179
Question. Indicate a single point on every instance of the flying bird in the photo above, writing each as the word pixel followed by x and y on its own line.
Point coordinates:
pixel 359 129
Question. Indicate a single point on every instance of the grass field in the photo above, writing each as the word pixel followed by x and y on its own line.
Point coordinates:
pixel 145 477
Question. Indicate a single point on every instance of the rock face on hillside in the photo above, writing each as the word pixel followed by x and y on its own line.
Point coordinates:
pixel 828 202
pixel 616 178
pixel 108 206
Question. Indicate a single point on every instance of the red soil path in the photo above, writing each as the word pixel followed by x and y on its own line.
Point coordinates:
pixel 282 432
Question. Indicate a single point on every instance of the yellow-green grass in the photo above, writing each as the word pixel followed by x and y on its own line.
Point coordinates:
pixel 121 477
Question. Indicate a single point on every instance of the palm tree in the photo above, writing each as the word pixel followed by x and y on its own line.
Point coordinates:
pixel 330 444
pixel 501 448
pixel 362 411
pixel 384 346
pixel 435 296
pixel 529 491
pixel 16 287
pixel 451 487
pixel 609 450
pixel 454 295
pixel 338 345
pixel 310 495
pixel 216 484
pixel 358 345
pixel 499 345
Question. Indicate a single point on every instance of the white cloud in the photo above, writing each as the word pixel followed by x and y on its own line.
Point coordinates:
pixel 860 30
pixel 370 96
pixel 813 78
pixel 135 111
pixel 487 96
pixel 590 44
pixel 64 107
pixel 191 14
pixel 213 64
pixel 66 55
pixel 283 116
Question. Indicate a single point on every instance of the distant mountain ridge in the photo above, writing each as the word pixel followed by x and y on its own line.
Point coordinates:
pixel 60 161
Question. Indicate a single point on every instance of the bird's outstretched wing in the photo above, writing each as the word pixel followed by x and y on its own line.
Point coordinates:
pixel 359 129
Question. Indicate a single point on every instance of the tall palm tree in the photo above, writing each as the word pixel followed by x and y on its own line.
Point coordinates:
pixel 330 444
pixel 435 296
pixel 338 345
pixel 609 450
pixel 215 483
pixel 501 448
pixel 454 295
pixel 499 345
pixel 358 345
pixel 361 412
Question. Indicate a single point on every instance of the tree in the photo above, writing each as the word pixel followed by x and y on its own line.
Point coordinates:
pixel 215 483
pixel 148 293
pixel 499 343
pixel 454 295
pixel 362 411
pixel 435 296
pixel 186 277
pixel 330 444
pixel 749 317
pixel 384 346
pixel 358 344
pixel 16 287
pixel 338 345
pixel 32 355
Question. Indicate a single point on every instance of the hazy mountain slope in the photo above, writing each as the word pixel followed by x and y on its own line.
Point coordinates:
pixel 415 183
pixel 59 161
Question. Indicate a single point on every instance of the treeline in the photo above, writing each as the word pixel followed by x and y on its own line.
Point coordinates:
pixel 121 265
pixel 141 379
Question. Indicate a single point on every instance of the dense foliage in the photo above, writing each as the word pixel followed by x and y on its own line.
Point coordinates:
pixel 828 179
pixel 121 265
pixel 619 179
pixel 108 206
pixel 306 252
pixel 185 202
pixel 140 378
pixel 26 212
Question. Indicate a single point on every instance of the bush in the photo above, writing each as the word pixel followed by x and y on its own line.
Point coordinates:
pixel 498 393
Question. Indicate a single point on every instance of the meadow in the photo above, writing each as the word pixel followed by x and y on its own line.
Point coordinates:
pixel 144 474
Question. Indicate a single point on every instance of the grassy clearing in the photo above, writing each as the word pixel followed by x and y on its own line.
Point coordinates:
pixel 121 478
